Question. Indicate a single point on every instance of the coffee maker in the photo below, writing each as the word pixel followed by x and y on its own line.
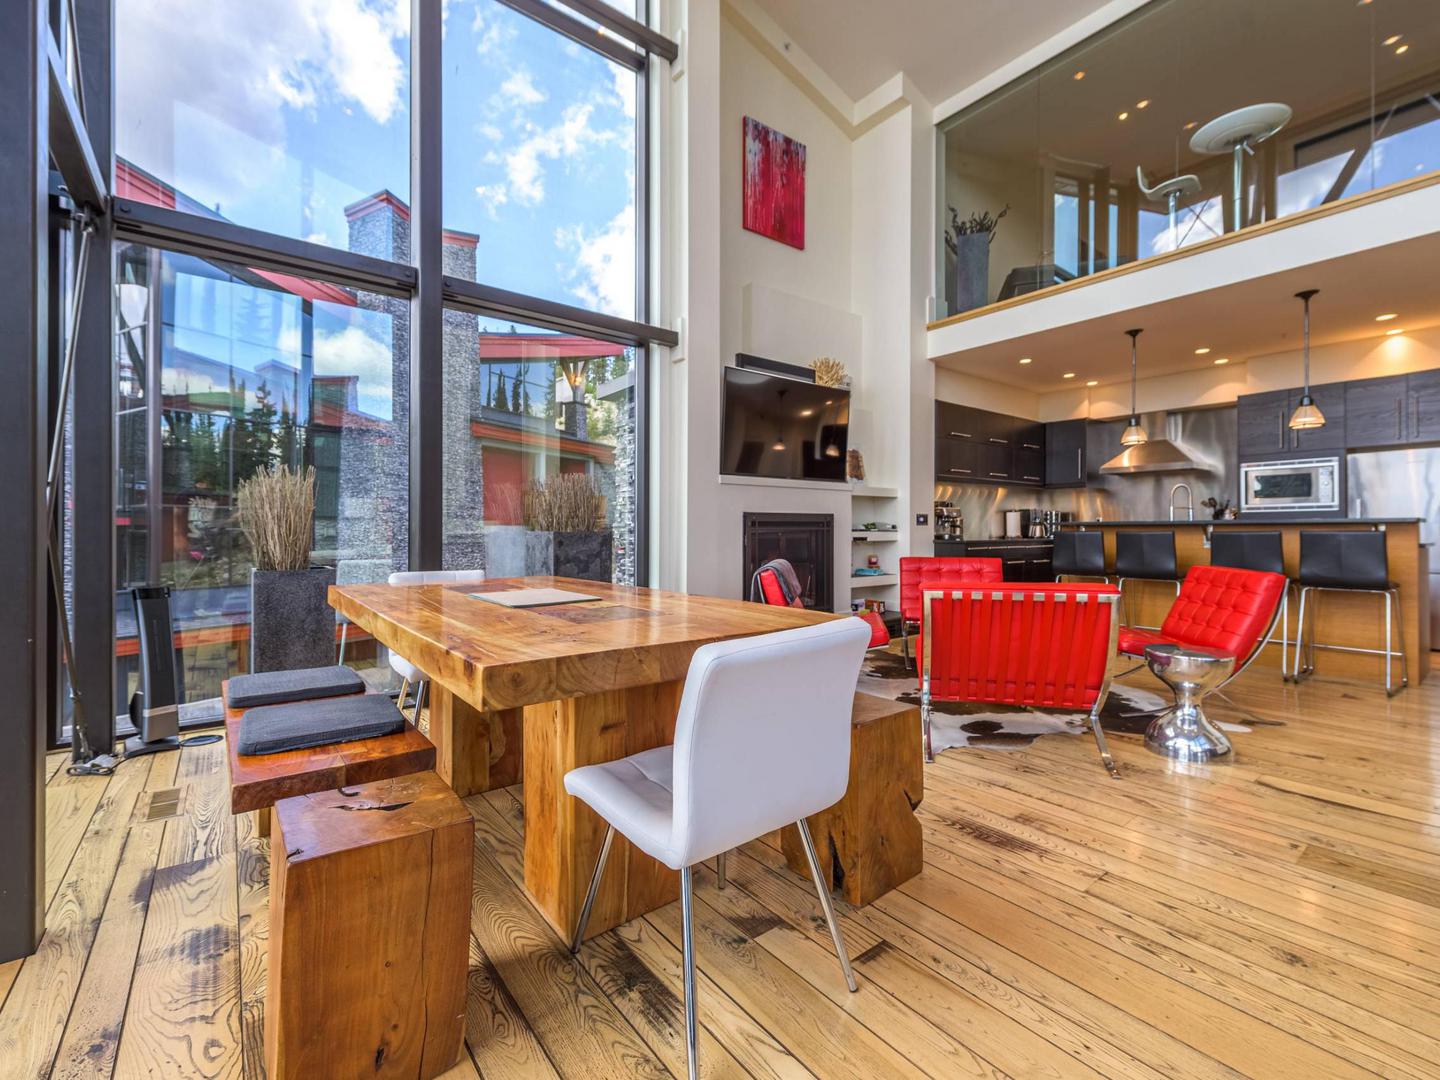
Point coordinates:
pixel 949 522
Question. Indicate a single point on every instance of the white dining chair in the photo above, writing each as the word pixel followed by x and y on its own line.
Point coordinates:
pixel 408 672
pixel 762 740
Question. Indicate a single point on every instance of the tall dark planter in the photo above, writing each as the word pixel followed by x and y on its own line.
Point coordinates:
pixel 587 555
pixel 972 271
pixel 292 624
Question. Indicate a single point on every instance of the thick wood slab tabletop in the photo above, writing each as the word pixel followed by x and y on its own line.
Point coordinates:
pixel 496 657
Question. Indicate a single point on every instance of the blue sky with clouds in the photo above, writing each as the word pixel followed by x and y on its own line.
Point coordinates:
pixel 279 113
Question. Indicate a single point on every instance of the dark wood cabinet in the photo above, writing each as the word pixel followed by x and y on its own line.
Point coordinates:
pixel 1065 453
pixel 1260 421
pixel 1423 406
pixel 978 446
pixel 1375 412
pixel 1331 400
pixel 1021 561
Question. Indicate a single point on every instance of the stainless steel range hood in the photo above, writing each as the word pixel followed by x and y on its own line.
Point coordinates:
pixel 1159 454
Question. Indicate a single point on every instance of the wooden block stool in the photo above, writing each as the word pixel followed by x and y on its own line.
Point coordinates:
pixel 870 841
pixel 369 931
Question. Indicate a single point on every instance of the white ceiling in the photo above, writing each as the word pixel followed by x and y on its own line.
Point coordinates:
pixel 943 45
pixel 1252 318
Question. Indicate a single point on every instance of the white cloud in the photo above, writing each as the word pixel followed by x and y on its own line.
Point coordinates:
pixel 625 85
pixel 520 89
pixel 202 92
pixel 524 170
pixel 492 196
pixel 603 274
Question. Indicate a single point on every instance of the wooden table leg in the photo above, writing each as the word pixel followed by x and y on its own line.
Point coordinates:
pixel 475 751
pixel 563 835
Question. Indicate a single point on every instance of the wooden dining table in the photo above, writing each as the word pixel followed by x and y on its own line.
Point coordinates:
pixel 527 694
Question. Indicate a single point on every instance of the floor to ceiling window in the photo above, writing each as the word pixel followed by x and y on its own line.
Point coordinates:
pixel 269 284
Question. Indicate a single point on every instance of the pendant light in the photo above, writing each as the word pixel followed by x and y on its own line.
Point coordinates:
pixel 1134 434
pixel 1307 414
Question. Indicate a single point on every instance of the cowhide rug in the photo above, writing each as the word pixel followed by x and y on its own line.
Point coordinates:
pixel 1008 727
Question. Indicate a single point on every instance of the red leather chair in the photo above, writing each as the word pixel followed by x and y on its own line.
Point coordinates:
pixel 918 570
pixel 1020 644
pixel 1220 608
pixel 775 596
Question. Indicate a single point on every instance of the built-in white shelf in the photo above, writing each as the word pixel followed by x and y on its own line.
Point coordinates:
pixel 880 536
pixel 860 491
pixel 873 581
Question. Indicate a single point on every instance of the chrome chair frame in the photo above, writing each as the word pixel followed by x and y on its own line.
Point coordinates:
pixel 687 928
pixel 1393 628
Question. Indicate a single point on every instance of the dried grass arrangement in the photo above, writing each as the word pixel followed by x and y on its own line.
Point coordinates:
pixel 829 372
pixel 568 502
pixel 277 514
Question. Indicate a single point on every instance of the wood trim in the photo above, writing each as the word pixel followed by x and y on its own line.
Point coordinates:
pixel 1250 232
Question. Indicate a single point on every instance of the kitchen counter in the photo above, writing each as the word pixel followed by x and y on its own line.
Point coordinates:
pixel 1257 522
pixel 1353 621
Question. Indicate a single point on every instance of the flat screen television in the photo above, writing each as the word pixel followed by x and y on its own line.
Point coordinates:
pixel 783 428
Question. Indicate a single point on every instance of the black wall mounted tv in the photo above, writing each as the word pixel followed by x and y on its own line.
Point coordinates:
pixel 783 428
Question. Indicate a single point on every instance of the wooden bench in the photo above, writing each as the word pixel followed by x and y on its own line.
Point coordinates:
pixel 369 931
pixel 869 842
pixel 259 781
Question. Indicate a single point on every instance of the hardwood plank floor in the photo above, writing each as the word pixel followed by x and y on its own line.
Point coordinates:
pixel 1276 916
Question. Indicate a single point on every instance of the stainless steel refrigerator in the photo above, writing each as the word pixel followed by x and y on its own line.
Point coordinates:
pixel 1402 484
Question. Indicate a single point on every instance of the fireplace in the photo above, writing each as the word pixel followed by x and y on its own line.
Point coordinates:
pixel 806 540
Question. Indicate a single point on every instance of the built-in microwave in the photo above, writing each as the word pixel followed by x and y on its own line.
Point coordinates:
pixel 1300 485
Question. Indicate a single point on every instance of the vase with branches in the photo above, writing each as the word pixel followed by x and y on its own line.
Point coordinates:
pixel 566 530
pixel 968 241
pixel 291 622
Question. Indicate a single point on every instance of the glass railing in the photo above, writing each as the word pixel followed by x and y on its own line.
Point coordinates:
pixel 1188 120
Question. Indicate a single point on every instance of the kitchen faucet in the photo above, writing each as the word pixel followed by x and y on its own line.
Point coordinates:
pixel 1189 501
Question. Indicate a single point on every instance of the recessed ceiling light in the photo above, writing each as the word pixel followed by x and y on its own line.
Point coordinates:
pixel 1386 317
pixel 1142 103
pixel 1402 50
pixel 1068 375
pixel 807 412
pixel 1397 330
pixel 1078 76
pixel 1026 360
pixel 1391 40
pixel 1202 351
pixel 1222 360
pixel 1191 126
pixel 1093 382
pixel 1124 116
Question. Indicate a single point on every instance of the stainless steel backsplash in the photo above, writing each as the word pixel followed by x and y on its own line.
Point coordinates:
pixel 1207 435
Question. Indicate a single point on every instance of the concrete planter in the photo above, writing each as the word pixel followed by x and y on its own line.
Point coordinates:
pixel 972 272
pixel 292 624
pixel 505 551
pixel 586 555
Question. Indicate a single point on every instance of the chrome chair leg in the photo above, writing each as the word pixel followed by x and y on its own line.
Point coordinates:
pixel 904 644
pixel 1297 666
pixel 823 891
pixel 422 695
pixel 720 877
pixel 1110 766
pixel 1404 661
pixel 925 711
pixel 687 932
pixel 594 888
pixel 404 693
pixel 344 633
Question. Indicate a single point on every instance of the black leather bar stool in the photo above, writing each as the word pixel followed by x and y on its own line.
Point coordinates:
pixel 1264 551
pixel 1353 562
pixel 1079 555
pixel 1145 556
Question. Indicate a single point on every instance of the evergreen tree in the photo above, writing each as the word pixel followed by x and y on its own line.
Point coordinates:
pixel 502 396
pixel 515 401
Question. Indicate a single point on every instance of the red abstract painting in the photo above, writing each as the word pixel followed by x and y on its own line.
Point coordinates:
pixel 774 191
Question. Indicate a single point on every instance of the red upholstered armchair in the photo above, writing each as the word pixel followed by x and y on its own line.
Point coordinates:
pixel 918 570
pixel 773 593
pixel 1220 608
pixel 1020 644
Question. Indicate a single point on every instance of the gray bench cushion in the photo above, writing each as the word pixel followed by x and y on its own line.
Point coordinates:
pixel 303 724
pixel 303 684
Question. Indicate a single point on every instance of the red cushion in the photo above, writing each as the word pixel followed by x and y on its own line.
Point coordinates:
pixel 773 593
pixel 879 635
pixel 1132 642
pixel 1020 644
pixel 1224 609
pixel 915 569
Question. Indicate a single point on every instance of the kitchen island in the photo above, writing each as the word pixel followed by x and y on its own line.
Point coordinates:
pixel 1353 622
